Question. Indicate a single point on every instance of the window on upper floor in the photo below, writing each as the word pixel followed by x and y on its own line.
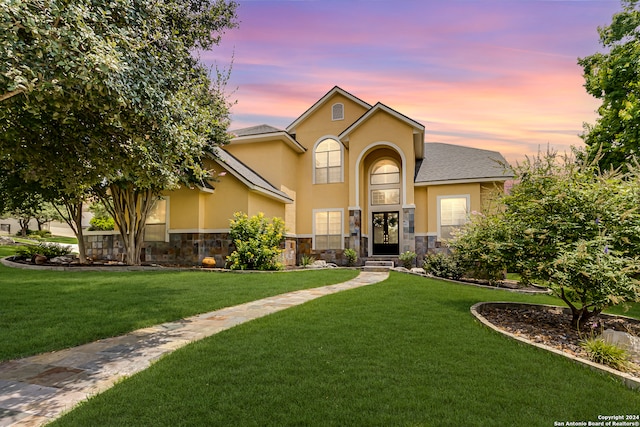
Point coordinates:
pixel 453 213
pixel 337 111
pixel 328 162
pixel 385 172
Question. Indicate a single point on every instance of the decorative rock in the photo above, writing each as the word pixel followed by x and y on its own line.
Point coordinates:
pixel 6 241
pixel 418 270
pixel 623 340
pixel 319 264
pixel 209 262
pixel 61 260
pixel 401 269
pixel 39 259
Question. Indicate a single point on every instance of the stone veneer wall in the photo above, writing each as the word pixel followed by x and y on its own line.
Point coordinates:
pixel 191 248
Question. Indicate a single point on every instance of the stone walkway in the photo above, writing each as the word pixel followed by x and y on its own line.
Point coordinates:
pixel 37 389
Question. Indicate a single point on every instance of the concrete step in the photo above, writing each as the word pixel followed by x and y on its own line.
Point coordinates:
pixel 378 265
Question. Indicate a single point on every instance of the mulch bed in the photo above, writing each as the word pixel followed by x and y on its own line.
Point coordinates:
pixel 552 326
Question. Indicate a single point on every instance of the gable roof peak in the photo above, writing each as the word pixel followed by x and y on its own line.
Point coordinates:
pixel 335 90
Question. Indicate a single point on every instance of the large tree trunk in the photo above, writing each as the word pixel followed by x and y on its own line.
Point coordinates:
pixel 130 206
pixel 73 218
pixel 579 316
pixel 24 226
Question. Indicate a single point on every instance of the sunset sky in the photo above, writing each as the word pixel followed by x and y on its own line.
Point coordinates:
pixel 500 75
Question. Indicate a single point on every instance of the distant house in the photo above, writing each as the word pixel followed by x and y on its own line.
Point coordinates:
pixel 345 174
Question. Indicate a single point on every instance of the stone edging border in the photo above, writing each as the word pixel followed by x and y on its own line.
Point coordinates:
pixel 476 311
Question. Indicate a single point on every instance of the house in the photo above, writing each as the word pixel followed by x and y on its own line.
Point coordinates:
pixel 345 174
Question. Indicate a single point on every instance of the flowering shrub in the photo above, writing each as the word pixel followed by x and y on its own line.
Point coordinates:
pixel 257 242
pixel 567 225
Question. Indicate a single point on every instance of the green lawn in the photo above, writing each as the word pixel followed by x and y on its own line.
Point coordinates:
pixel 404 352
pixel 63 240
pixel 50 310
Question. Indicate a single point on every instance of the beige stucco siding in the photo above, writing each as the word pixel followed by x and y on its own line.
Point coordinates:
pixel 269 207
pixel 272 160
pixel 380 131
pixel 320 124
pixel 473 190
pixel 184 208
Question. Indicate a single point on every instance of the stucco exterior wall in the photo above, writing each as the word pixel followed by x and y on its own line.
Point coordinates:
pixel 473 190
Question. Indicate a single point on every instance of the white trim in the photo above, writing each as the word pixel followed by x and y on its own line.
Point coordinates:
pixel 205 189
pixel 418 128
pixel 313 225
pixel 198 230
pixel 404 168
pixel 304 236
pixel 280 135
pixel 463 181
pixel 450 196
pixel 336 90
pixel 423 234
pixel 354 208
pixel 409 206
pixel 100 232
pixel 313 159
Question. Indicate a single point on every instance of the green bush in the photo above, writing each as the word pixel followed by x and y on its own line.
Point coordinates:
pixel 604 353
pixel 307 260
pixel 441 265
pixel 101 223
pixel 50 250
pixel 407 259
pixel 257 242
pixel 351 256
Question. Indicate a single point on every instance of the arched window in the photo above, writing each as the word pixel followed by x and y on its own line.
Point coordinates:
pixel 385 183
pixel 385 172
pixel 328 162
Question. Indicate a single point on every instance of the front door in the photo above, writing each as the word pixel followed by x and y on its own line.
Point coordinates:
pixel 385 233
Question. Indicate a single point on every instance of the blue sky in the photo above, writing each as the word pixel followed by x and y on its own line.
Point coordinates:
pixel 500 75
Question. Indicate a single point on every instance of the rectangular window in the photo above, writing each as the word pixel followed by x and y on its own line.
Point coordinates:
pixel 328 230
pixel 156 226
pixel 389 196
pixel 453 212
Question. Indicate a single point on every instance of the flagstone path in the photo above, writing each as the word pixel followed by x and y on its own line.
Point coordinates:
pixel 35 390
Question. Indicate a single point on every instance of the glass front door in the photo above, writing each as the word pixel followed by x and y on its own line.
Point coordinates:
pixel 385 233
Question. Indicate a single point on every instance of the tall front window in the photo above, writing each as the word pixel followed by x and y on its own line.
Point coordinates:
pixel 328 162
pixel 385 183
pixel 328 230
pixel 453 212
pixel 156 226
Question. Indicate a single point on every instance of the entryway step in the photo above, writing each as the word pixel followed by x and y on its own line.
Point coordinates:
pixel 378 265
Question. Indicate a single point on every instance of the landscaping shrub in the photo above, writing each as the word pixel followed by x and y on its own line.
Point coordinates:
pixel 257 241
pixel 351 256
pixel 50 250
pixel 602 352
pixel 407 259
pixel 307 260
pixel 441 265
pixel 101 223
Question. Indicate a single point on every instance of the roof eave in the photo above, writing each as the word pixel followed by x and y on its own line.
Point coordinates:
pixel 282 136
pixel 462 181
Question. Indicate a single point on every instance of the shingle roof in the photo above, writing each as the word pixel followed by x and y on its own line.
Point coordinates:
pixel 248 176
pixel 445 163
pixel 255 130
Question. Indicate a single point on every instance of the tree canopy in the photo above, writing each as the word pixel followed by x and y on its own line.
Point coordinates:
pixel 568 226
pixel 614 78
pixel 108 96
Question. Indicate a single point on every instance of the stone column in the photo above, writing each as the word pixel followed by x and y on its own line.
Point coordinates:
pixel 355 231
pixel 408 230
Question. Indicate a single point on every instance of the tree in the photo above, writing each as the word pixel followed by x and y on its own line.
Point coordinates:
pixel 568 226
pixel 614 78
pixel 118 104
